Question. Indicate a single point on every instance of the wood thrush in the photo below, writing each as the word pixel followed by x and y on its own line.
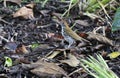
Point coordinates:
pixel 69 35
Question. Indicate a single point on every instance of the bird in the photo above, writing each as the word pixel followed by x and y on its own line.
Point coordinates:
pixel 69 35
pixel 66 36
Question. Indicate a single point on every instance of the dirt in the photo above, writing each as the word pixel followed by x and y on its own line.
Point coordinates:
pixel 46 32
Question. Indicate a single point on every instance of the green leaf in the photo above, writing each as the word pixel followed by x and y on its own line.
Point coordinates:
pixel 114 55
pixel 8 61
pixel 43 4
pixel 35 45
pixel 91 2
pixel 97 67
pixel 116 21
pixel 93 6
pixel 74 1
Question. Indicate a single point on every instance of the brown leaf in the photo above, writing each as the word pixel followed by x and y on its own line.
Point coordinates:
pixel 99 38
pixel 44 12
pixel 3 76
pixel 21 60
pixel 82 22
pixel 17 48
pixel 21 49
pixel 84 35
pixel 26 12
pixel 14 1
pixel 58 36
pixel 44 69
pixel 72 61
pixel 55 53
pixel 50 35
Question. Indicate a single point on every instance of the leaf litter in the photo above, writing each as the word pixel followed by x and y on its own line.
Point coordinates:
pixel 26 12
pixel 39 37
pixel 44 69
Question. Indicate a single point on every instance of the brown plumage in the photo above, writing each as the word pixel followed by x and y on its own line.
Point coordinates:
pixel 69 35
pixel 72 34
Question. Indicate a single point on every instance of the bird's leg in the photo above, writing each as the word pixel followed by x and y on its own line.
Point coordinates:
pixel 70 42
pixel 62 42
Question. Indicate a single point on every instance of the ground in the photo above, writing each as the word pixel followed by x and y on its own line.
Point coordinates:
pixel 28 39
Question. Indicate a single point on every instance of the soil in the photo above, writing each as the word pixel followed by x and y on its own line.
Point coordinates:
pixel 41 35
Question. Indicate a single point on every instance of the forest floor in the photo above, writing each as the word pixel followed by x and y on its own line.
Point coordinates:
pixel 37 48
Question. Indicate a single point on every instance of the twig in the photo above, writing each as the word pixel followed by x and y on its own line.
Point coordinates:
pixel 75 71
pixel 5 21
pixel 44 26
pixel 104 10
pixel 70 6
pixel 4 39
pixel 98 28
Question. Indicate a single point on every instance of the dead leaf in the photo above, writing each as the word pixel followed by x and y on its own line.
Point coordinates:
pixel 21 49
pixel 56 38
pixel 3 76
pixel 2 20
pixel 44 69
pixel 26 12
pixel 82 22
pixel 55 53
pixel 42 47
pixel 72 61
pixel 44 12
pixel 14 1
pixel 17 48
pixel 99 38
pixel 12 46
pixel 84 35
pixel 51 35
pixel 21 60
